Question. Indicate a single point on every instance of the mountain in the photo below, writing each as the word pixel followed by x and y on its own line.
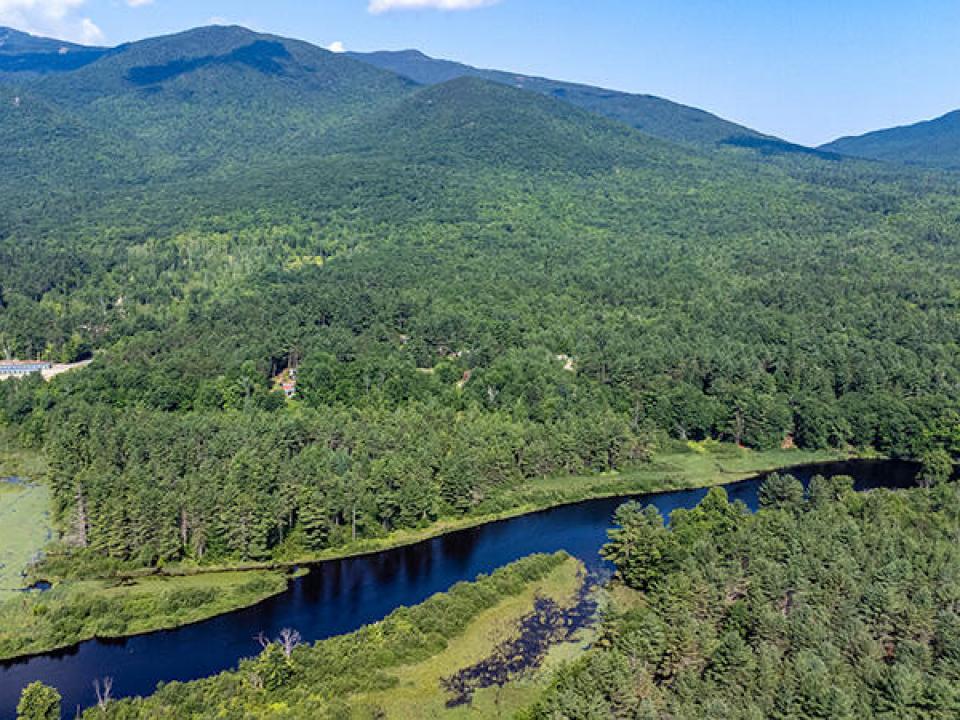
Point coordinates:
pixel 933 143
pixel 480 287
pixel 653 115
pixel 470 121
pixel 223 107
pixel 216 65
pixel 22 53
pixel 14 42
pixel 23 56
pixel 195 102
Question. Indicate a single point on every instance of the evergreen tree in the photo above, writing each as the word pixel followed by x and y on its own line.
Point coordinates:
pixel 39 702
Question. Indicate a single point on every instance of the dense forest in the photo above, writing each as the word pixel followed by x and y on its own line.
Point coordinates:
pixel 475 285
pixel 826 603
pixel 829 604
pixel 653 115
pixel 334 301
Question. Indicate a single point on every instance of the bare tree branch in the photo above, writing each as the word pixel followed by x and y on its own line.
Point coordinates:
pixel 289 639
pixel 104 690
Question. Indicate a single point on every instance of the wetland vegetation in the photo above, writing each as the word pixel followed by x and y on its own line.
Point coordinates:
pixel 491 301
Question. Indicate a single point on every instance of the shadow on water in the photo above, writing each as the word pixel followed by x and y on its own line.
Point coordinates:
pixel 340 596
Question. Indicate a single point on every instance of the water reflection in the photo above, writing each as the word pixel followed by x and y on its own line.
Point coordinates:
pixel 341 595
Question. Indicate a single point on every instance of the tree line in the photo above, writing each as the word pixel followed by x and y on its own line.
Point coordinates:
pixel 824 604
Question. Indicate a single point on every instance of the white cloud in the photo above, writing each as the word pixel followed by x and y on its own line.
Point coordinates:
pixel 57 18
pixel 47 9
pixel 90 34
pixel 336 46
pixel 382 6
pixel 138 3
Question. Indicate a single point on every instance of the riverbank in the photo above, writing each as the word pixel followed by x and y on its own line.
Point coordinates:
pixel 71 612
pixel 341 597
pixel 33 622
pixel 394 668
pixel 698 465
pixel 418 689
pixel 154 600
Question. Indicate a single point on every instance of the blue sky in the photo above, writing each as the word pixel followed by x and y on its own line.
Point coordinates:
pixel 806 70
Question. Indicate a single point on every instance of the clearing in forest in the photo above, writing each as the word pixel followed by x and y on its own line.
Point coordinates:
pixel 25 524
pixel 24 530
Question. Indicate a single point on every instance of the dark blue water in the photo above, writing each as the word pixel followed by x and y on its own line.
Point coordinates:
pixel 341 595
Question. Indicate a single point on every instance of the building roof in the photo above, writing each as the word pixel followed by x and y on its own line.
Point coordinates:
pixel 13 366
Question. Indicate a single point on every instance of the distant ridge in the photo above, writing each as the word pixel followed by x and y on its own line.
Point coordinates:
pixel 23 53
pixel 470 120
pixel 186 104
pixel 17 42
pixel 216 101
pixel 653 115
pixel 204 49
pixel 932 143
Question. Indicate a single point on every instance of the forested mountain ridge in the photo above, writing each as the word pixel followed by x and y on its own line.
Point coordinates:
pixel 15 42
pixel 477 285
pixel 165 109
pixel 653 115
pixel 471 121
pixel 23 54
pixel 191 63
pixel 933 143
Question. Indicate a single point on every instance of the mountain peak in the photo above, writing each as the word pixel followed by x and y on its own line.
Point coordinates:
pixel 23 53
pixel 16 41
pixel 218 61
pixel 470 120
pixel 409 53
pixel 205 41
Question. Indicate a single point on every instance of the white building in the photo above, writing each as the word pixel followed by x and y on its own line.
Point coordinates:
pixel 21 368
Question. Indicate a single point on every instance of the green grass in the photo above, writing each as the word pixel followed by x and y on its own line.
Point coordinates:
pixel 418 693
pixel 24 530
pixel 682 466
pixel 24 512
pixel 79 610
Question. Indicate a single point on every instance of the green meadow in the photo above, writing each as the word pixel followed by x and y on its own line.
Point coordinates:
pixel 24 512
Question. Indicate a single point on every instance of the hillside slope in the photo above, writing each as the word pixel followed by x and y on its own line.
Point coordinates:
pixel 187 104
pixel 470 121
pixel 479 287
pixel 25 54
pixel 653 115
pixel 933 143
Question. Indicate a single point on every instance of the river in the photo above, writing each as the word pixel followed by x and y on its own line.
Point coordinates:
pixel 339 596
